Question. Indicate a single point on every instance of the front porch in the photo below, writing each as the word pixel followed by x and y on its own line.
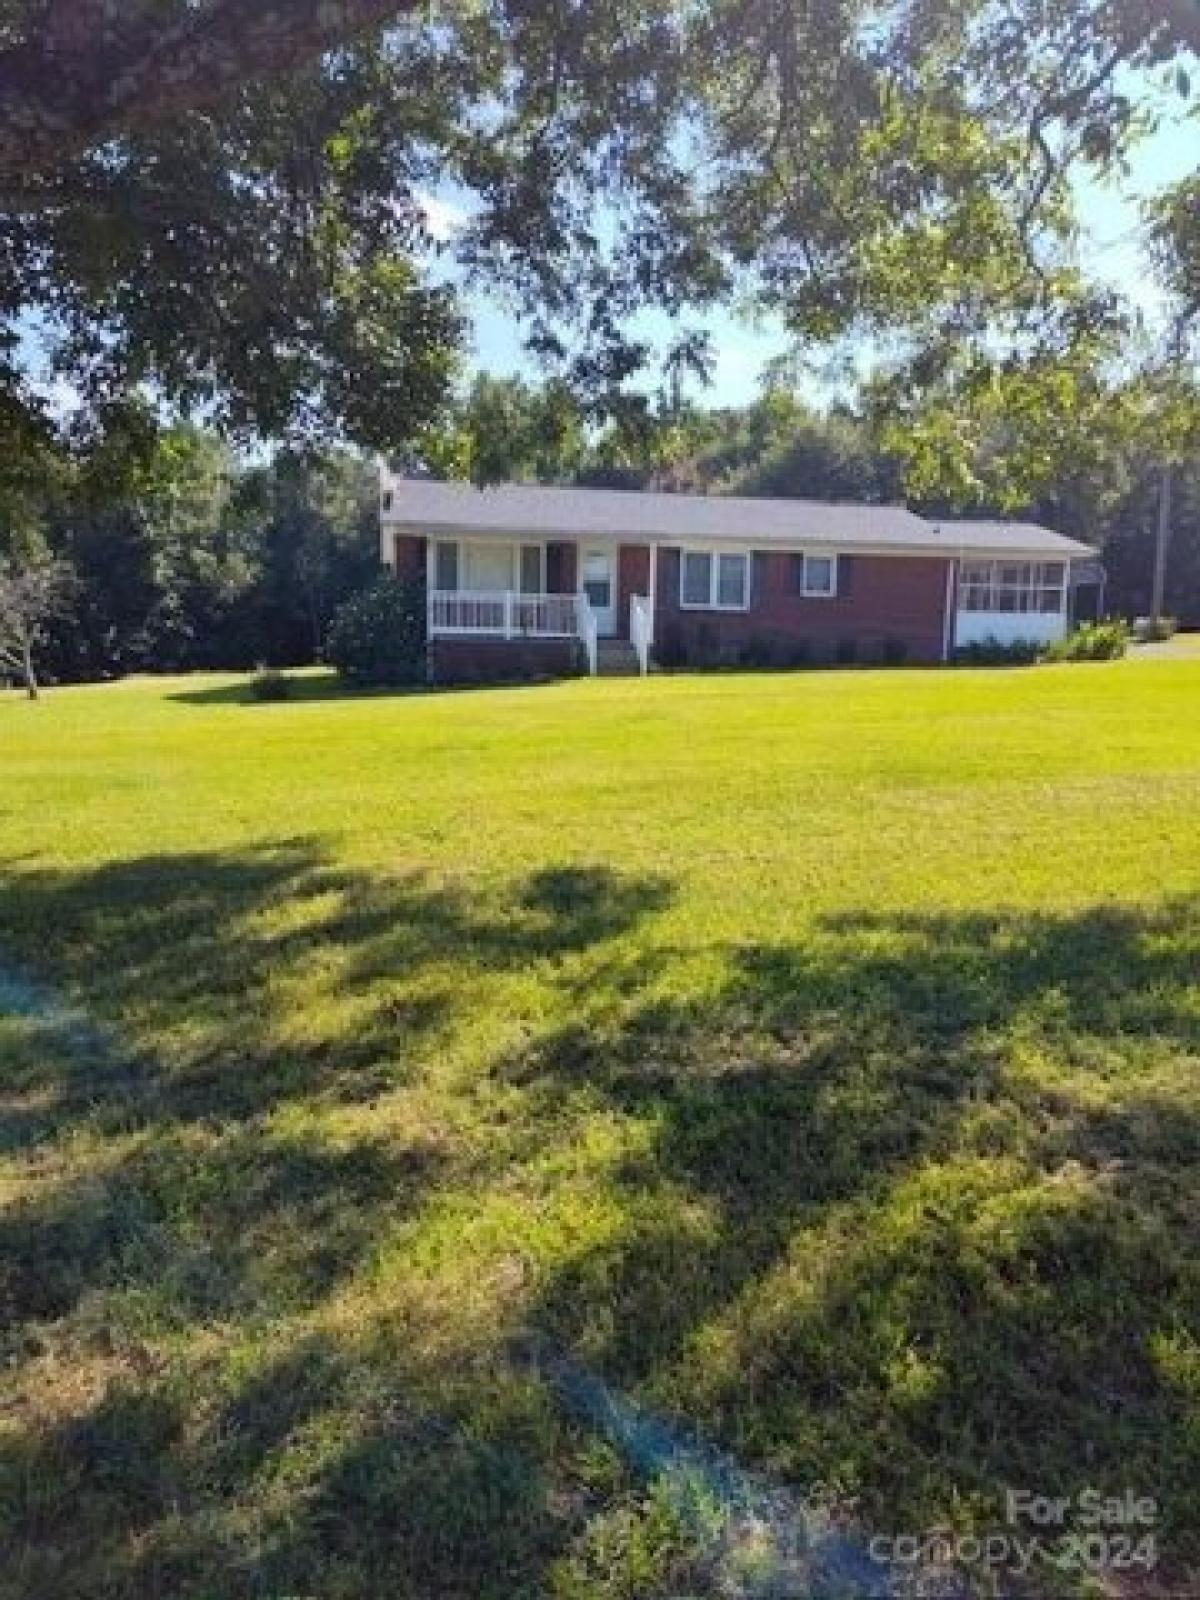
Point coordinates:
pixel 528 592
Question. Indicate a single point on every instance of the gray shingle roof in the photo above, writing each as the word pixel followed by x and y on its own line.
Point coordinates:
pixel 422 504
pixel 999 538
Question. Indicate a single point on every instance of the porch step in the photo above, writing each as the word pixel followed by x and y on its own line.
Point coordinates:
pixel 616 658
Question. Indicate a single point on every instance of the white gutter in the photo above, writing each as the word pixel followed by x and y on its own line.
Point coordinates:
pixel 953 568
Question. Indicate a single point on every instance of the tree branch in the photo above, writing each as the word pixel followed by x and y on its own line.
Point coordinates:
pixel 89 73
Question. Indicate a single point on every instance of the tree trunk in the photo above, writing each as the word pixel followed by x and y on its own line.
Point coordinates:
pixel 1162 540
pixel 314 620
pixel 31 683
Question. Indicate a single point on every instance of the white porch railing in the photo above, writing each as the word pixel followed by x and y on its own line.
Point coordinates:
pixel 504 614
pixel 641 630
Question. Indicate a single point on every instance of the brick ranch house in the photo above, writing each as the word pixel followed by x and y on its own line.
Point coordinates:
pixel 529 581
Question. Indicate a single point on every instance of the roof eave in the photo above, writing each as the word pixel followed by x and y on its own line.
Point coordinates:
pixel 423 528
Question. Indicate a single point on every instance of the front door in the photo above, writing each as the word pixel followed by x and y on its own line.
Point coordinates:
pixel 598 568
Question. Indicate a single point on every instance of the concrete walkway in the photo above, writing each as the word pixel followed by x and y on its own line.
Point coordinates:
pixel 1183 647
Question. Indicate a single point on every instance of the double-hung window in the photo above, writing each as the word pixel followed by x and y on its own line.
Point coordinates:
pixel 815 576
pixel 714 580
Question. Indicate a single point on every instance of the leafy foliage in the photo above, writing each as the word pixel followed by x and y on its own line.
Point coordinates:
pixel 1174 217
pixel 203 559
pixel 997 653
pixel 507 430
pixel 378 637
pixel 1094 641
pixel 1091 641
pixel 225 205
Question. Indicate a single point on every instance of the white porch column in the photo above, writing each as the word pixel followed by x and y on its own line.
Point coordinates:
pixel 949 616
pixel 653 595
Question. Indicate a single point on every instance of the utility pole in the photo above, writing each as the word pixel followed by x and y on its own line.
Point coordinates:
pixel 1161 542
pixel 1162 537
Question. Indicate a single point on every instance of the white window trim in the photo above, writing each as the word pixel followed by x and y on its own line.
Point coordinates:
pixel 818 555
pixel 715 552
pixel 1027 594
pixel 514 548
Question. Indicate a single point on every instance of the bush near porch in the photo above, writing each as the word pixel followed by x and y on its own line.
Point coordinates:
pixel 813 1057
pixel 377 638
pixel 701 649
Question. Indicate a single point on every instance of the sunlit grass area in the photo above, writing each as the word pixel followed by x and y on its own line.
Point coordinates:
pixel 814 1058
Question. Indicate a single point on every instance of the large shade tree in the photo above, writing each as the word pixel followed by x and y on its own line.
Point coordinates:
pixel 220 203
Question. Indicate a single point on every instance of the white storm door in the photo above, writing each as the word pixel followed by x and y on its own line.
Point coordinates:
pixel 598 580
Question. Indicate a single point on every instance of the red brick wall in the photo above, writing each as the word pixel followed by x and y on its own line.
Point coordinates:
pixel 881 601
pixel 408 556
pixel 501 660
pixel 633 577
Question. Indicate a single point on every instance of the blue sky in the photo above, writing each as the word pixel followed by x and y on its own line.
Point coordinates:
pixel 1109 217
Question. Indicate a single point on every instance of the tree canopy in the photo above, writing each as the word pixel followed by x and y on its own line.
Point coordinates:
pixel 219 206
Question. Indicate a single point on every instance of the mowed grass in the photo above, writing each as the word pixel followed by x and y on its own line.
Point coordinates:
pixel 816 1058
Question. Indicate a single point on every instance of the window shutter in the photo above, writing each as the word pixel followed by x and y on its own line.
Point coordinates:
pixel 796 568
pixel 445 565
pixel 668 579
pixel 845 571
pixel 554 569
pixel 759 577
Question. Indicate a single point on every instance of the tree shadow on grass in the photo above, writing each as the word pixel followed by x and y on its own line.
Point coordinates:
pixel 209 1201
pixel 301 687
pixel 200 1167
pixel 206 956
pixel 267 1220
pixel 310 687
pixel 909 1203
pixel 940 1231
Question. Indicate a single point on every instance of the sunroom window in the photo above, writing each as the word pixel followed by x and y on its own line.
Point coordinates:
pixel 1011 586
pixel 714 580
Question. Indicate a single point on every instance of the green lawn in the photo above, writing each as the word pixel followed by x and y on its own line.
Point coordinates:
pixel 815 1057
